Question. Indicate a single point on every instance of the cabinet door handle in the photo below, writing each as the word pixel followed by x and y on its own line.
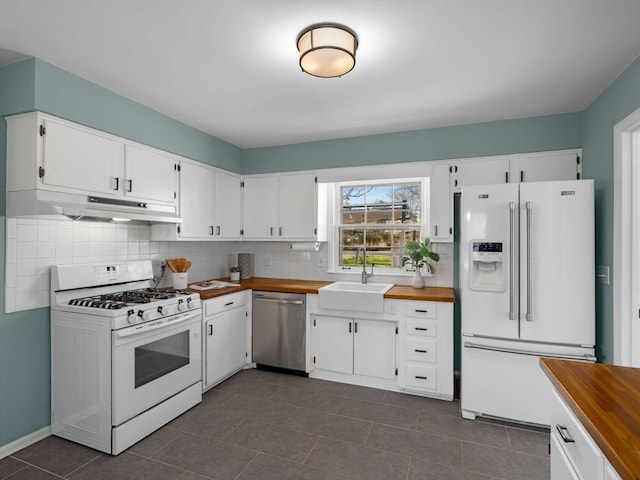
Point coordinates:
pixel 564 434
pixel 210 329
pixel 218 230
pixel 271 231
pixel 355 327
pixel 280 231
pixel 521 175
pixel 117 182
pixel 210 229
pixel 420 351
pixel 420 377
pixel 506 177
pixel 349 327
pixel 435 233
pixel 130 182
pixel 421 329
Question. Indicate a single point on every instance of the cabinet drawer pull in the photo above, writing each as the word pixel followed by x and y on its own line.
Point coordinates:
pixel 421 329
pixel 421 377
pixel 564 434
pixel 422 311
pixel 228 303
pixel 420 351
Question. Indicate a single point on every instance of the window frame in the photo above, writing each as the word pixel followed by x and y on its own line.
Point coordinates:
pixel 335 209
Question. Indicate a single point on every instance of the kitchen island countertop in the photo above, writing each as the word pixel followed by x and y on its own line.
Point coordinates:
pixel 605 398
pixel 399 292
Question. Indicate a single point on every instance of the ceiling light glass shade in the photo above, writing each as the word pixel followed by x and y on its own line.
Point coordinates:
pixel 327 50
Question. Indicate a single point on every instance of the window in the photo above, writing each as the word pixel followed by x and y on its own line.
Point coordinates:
pixel 383 216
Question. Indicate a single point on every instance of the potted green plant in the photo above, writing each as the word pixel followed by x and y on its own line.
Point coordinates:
pixel 235 273
pixel 419 254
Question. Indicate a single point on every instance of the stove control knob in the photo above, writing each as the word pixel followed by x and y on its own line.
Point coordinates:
pixel 144 315
pixel 132 317
pixel 160 310
pixel 190 304
pixel 181 306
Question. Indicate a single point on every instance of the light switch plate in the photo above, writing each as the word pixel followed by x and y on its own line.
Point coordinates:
pixel 603 274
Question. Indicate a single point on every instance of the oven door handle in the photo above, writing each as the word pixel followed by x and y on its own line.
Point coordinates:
pixel 132 331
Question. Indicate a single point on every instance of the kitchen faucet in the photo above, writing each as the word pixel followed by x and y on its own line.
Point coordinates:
pixel 365 275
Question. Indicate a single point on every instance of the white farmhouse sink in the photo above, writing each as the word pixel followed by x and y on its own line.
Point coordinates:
pixel 361 297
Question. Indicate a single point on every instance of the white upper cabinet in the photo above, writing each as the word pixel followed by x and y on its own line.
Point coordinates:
pixel 441 210
pixel 298 207
pixel 547 166
pixel 150 174
pixel 228 206
pixel 260 207
pixel 48 153
pixel 79 159
pixel 280 207
pixel 197 197
pixel 483 171
pixel 210 205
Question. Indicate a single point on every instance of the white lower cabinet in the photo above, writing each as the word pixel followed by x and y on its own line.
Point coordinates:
pixel 225 336
pixel 406 348
pixel 574 454
pixel 354 346
pixel 426 348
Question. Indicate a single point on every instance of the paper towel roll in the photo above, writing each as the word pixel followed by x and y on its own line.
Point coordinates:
pixel 305 246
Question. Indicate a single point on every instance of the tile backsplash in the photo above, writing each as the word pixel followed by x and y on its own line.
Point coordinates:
pixel 32 246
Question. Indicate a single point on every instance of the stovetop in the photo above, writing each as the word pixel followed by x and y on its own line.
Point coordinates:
pixel 124 299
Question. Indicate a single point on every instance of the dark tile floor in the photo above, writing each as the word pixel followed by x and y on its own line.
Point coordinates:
pixel 265 425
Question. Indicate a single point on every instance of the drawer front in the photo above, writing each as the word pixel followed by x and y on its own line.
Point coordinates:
pixel 422 350
pixel 421 309
pixel 580 449
pixel 225 302
pixel 421 376
pixel 425 328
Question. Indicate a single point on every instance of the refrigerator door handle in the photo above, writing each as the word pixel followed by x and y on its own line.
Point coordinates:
pixel 588 358
pixel 513 278
pixel 529 207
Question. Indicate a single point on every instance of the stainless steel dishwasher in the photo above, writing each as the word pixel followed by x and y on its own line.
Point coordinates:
pixel 279 330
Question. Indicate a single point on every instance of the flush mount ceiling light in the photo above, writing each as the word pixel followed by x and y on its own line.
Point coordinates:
pixel 327 50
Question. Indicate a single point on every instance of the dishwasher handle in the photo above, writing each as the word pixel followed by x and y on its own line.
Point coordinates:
pixel 275 300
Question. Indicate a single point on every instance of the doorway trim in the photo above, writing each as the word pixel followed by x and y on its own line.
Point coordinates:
pixel 626 241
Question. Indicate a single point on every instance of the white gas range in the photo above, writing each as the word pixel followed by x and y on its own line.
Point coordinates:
pixel 125 357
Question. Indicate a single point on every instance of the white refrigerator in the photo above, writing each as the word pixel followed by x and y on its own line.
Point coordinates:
pixel 527 279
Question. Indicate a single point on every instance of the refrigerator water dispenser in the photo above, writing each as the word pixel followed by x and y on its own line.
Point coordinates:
pixel 487 271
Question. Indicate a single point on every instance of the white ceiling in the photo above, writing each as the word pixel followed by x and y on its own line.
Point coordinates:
pixel 230 67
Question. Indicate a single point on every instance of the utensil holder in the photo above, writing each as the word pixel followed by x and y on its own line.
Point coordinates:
pixel 244 263
pixel 180 280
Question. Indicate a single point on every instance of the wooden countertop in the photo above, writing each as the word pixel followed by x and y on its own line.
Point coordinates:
pixel 606 400
pixel 400 292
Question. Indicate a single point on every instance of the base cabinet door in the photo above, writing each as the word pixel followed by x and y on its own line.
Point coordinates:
pixel 225 339
pixel 561 468
pixel 374 348
pixel 333 344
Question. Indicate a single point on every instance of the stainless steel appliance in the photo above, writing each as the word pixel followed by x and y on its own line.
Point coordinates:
pixel 126 358
pixel 279 330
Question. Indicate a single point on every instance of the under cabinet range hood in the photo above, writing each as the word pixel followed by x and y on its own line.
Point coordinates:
pixel 48 204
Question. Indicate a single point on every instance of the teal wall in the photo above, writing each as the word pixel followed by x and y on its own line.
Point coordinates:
pixel 553 132
pixel 24 336
pixel 619 100
pixel 67 96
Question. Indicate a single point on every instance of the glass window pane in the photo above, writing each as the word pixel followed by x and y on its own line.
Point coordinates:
pixel 352 214
pixel 350 240
pixel 407 201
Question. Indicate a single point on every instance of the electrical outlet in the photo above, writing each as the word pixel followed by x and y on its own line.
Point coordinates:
pixel 268 260
pixel 322 262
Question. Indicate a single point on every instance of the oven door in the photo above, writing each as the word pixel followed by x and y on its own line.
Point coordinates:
pixel 153 361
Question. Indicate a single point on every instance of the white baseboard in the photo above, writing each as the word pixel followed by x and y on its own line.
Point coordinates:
pixel 25 441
